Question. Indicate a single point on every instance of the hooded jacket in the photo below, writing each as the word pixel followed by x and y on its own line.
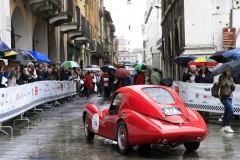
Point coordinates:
pixel 154 76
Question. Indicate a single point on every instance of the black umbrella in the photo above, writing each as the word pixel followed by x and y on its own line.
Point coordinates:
pixel 183 59
pixel 236 72
pixel 226 66
pixel 21 56
pixel 108 68
pixel 218 56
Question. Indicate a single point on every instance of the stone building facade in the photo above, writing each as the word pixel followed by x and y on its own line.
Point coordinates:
pixel 60 29
pixel 195 27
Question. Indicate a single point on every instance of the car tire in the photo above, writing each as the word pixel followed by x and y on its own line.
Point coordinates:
pixel 88 134
pixel 192 146
pixel 122 138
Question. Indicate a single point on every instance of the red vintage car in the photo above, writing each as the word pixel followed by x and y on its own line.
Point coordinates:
pixel 145 114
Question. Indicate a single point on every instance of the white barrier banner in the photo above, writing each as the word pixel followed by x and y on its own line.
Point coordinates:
pixel 181 89
pixel 198 96
pixel 17 100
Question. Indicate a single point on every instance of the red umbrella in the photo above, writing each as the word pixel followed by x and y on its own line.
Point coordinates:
pixel 122 73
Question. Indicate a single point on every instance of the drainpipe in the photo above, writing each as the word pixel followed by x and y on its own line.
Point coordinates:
pixel 48 39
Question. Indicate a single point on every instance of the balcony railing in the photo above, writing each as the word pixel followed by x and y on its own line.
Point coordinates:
pixel 106 41
pixel 77 15
pixel 68 7
pixel 57 3
pixel 41 6
pixel 99 48
pixel 85 27
pixel 87 30
pixel 106 57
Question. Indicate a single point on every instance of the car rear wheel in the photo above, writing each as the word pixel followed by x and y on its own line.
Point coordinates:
pixel 122 138
pixel 192 146
pixel 88 134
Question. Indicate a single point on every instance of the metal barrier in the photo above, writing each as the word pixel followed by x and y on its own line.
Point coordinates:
pixel 17 100
pixel 198 96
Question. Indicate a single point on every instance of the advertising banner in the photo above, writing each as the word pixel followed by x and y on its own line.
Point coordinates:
pixel 198 96
pixel 19 99
pixel 181 89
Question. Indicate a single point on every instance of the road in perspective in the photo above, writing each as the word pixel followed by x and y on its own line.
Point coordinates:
pixel 59 134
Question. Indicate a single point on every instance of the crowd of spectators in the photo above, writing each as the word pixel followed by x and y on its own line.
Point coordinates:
pixel 14 73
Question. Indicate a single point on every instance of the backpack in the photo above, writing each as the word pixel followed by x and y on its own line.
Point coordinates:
pixel 167 82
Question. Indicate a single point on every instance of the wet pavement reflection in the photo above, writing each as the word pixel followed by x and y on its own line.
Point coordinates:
pixel 59 134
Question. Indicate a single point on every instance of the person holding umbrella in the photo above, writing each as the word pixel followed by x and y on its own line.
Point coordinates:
pixel 224 79
pixel 203 75
pixel 189 75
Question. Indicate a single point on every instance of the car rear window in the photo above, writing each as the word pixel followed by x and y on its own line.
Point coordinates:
pixel 159 95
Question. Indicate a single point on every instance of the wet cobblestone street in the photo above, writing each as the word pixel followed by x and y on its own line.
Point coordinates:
pixel 59 134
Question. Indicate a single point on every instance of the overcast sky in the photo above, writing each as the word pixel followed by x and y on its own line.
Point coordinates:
pixel 123 15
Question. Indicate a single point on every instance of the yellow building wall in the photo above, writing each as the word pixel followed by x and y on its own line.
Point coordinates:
pixel 92 14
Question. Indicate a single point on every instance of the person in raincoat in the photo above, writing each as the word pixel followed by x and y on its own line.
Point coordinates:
pixel 153 75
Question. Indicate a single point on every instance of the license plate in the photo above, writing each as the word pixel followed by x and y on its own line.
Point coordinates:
pixel 171 111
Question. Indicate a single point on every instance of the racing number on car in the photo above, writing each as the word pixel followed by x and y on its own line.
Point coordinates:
pixel 95 123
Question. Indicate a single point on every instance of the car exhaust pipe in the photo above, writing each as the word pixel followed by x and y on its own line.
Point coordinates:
pixel 199 139
pixel 165 141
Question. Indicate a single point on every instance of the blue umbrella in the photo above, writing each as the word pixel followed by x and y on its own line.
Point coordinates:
pixel 233 54
pixel 4 47
pixel 183 59
pixel 39 56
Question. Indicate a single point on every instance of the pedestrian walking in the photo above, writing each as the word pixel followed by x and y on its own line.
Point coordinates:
pixel 111 81
pixel 88 84
pixel 226 79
